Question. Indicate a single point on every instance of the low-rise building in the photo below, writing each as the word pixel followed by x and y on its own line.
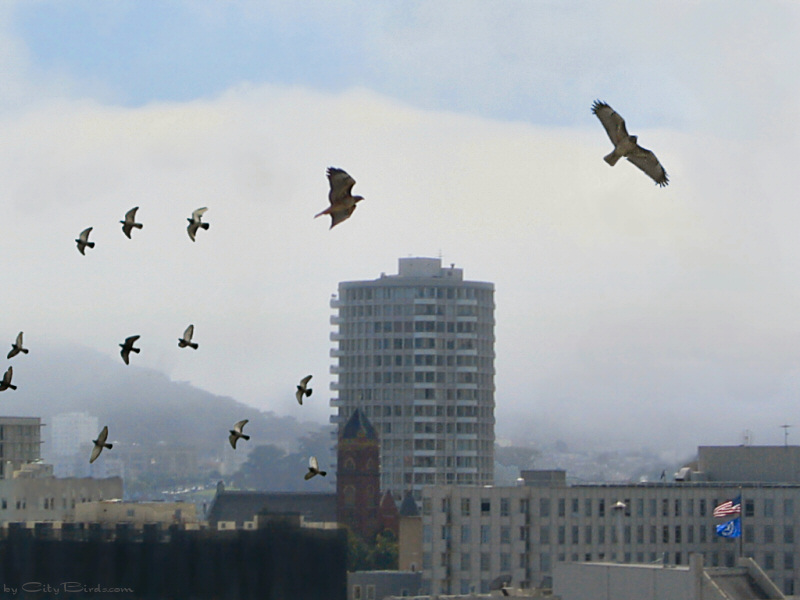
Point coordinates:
pixel 471 535
pixel 376 585
pixel 614 581
pixel 136 514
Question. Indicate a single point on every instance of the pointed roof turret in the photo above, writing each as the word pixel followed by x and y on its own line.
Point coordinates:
pixel 408 508
pixel 358 426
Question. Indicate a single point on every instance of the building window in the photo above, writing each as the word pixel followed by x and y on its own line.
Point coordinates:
pixel 523 506
pixel 486 534
pixel 702 533
pixel 749 508
pixel 504 511
pixel 664 507
pixel 769 561
pixel 465 561
pixel 575 504
pixel 665 534
pixel 702 507
pixel 601 507
pixel 544 507
pixel 788 561
pixel 788 507
pixel 356 592
pixel 562 507
pixel 788 586
pixel 486 506
pixel 562 534
pixel 485 561
pixel 788 534
pixel 466 534
pixel 587 506
pixel 544 534
pixel 574 534
pixel 505 561
pixel 371 591
pixel 465 507
pixel 769 534
pixel 505 534
pixel 769 507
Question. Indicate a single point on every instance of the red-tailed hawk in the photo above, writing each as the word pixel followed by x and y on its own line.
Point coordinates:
pixel 342 202
pixel 626 145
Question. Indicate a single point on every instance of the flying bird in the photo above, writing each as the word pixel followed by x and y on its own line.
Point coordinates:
pixel 83 240
pixel 313 468
pixel 16 347
pixel 127 348
pixel 186 340
pixel 303 389
pixel 627 145
pixel 342 202
pixel 130 222
pixel 195 222
pixel 236 433
pixel 99 444
pixel 5 383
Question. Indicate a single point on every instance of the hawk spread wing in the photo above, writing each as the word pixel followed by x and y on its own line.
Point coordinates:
pixel 613 123
pixel 341 186
pixel 647 162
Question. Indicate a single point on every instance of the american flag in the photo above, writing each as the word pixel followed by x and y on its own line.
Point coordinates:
pixel 730 507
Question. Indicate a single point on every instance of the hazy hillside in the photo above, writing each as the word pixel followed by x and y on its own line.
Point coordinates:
pixel 138 405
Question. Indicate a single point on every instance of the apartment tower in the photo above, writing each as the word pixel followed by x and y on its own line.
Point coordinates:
pixel 415 353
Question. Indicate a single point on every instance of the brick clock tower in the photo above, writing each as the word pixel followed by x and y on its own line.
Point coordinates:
pixel 358 476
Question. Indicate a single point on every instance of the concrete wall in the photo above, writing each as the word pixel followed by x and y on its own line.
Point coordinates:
pixel 605 581
pixel 766 464
pixel 136 513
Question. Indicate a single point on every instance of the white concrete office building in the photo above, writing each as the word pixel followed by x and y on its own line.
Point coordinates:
pixel 472 535
pixel 416 352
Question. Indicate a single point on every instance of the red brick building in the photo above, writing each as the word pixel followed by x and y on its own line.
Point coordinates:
pixel 358 477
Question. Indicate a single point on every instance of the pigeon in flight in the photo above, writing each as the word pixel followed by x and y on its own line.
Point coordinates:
pixel 186 340
pixel 342 202
pixel 196 222
pixel 313 468
pixel 627 145
pixel 303 389
pixel 130 222
pixel 127 348
pixel 99 444
pixel 83 240
pixel 5 383
pixel 236 433
pixel 16 347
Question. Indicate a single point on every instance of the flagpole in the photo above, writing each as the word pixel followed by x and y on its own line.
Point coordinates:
pixel 741 522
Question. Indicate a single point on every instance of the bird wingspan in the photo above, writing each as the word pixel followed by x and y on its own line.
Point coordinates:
pixel 19 339
pixel 95 453
pixel 341 185
pixel 313 464
pixel 304 381
pixel 198 213
pixel 613 123
pixel 131 214
pixel 238 427
pixel 187 335
pixel 647 162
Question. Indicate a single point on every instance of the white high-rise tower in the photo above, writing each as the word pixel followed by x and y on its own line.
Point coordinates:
pixel 416 353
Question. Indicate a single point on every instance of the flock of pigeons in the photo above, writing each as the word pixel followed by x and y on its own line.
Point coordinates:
pixel 342 206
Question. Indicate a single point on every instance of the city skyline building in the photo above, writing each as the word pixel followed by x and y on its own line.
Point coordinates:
pixel 415 352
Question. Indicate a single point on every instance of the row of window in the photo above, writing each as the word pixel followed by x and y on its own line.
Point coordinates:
pixel 664 507
pixel 362 346
pixel 360 311
pixel 589 534
pixel 386 395
pixel 47 503
pixel 360 294
pixel 399 377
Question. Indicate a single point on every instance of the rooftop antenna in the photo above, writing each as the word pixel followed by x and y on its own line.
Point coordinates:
pixel 785 434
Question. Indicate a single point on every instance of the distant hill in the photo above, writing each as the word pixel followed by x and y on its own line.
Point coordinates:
pixel 138 405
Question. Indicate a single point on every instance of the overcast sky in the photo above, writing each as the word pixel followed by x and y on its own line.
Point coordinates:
pixel 627 314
